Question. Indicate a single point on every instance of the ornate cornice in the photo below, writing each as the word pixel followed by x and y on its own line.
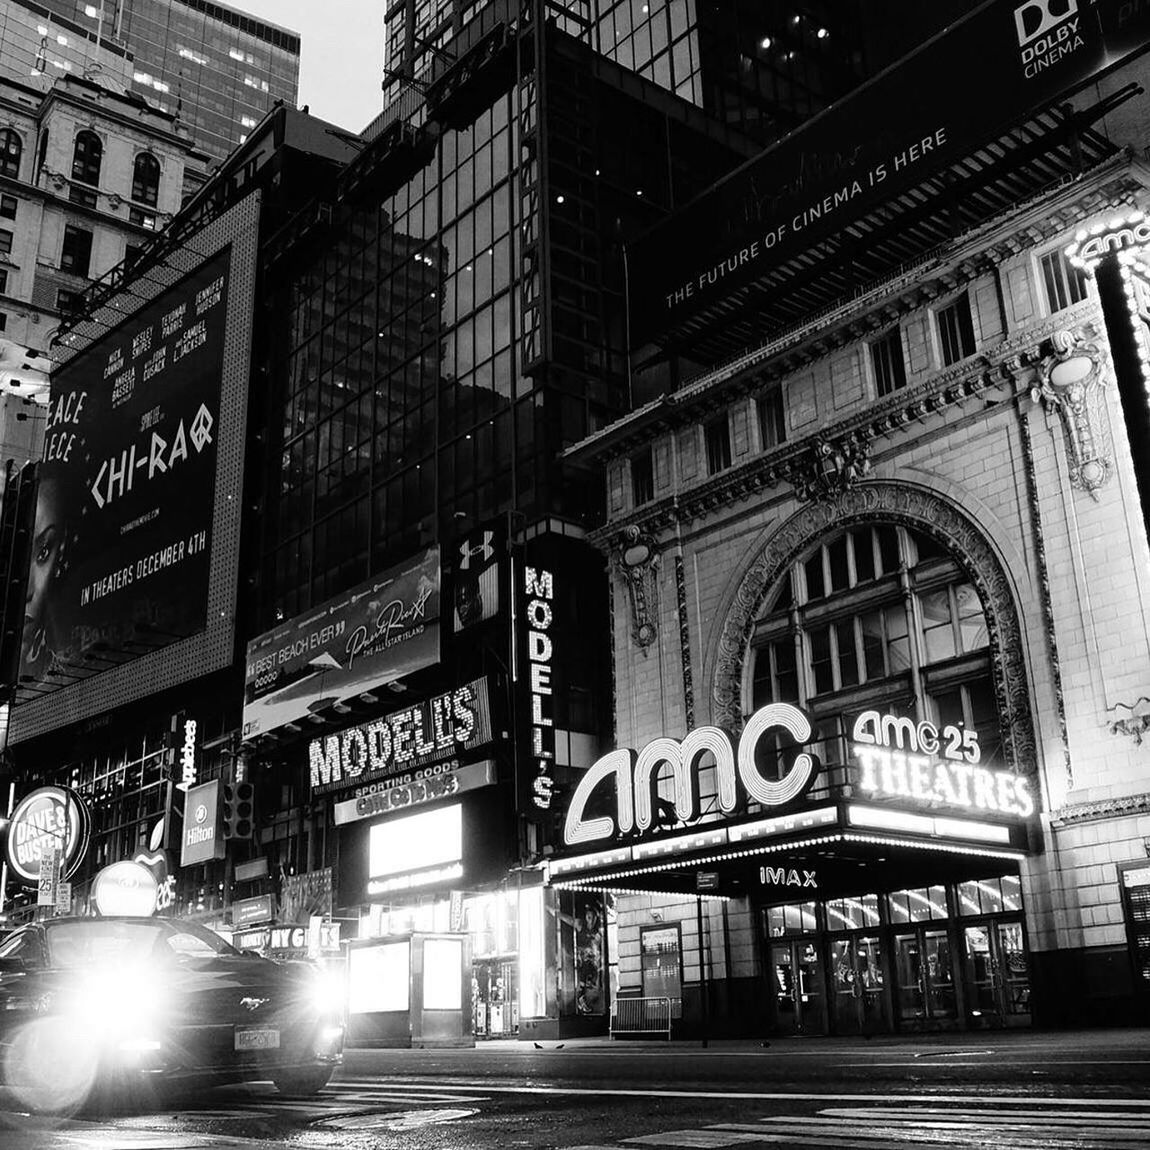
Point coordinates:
pixel 923 511
pixel 1117 808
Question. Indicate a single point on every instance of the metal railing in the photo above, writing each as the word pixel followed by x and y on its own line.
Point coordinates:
pixel 641 1016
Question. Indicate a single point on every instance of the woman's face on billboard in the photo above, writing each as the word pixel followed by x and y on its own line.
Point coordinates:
pixel 46 537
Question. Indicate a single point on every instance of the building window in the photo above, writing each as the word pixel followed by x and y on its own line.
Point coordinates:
pixel 3 281
pixel 772 424
pixel 642 477
pixel 132 253
pixel 5 242
pixel 3 321
pixel 838 636
pixel 146 180
pixel 8 205
pixel 142 219
pixel 76 254
pixel 67 301
pixel 85 197
pixel 886 358
pixel 11 147
pixel 1135 879
pixel 717 436
pixel 956 330
pixel 86 157
pixel 1065 284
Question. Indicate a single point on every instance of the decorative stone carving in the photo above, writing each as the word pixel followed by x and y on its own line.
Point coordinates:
pixel 114 201
pixel 1131 719
pixel 830 466
pixel 921 510
pixel 1118 808
pixel 1071 382
pixel 685 643
pixel 638 562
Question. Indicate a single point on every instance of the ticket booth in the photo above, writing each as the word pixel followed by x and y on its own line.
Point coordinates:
pixel 410 990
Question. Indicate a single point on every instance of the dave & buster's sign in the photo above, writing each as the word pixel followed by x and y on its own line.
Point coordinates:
pixel 429 732
pixel 126 494
pixel 899 760
pixel 50 819
pixel 373 634
pixel 892 132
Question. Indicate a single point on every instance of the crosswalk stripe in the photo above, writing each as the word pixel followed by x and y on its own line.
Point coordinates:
pixel 705 1139
pixel 1042 1118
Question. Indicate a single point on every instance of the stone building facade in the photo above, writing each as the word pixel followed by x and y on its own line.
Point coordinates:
pixel 930 435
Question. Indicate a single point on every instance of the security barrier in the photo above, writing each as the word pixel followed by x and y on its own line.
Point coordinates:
pixel 641 1016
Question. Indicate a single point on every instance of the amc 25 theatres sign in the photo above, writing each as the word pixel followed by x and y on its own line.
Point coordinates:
pixel 899 760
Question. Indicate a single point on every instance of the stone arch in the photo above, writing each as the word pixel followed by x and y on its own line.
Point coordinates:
pixel 929 514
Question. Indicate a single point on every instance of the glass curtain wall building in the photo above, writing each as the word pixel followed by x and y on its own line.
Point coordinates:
pixel 219 68
pixel 442 346
pixel 761 66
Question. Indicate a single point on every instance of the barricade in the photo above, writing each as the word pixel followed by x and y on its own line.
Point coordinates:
pixel 641 1016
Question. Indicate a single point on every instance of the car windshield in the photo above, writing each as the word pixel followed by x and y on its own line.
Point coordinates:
pixel 99 942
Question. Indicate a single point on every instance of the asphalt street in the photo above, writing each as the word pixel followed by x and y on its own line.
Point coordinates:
pixel 1080 1089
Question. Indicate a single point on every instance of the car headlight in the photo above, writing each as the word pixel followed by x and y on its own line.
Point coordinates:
pixel 327 993
pixel 114 1001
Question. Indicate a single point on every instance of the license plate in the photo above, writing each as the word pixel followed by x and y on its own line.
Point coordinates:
pixel 257 1039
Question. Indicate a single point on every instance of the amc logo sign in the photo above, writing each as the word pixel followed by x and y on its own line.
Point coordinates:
pixel 635 777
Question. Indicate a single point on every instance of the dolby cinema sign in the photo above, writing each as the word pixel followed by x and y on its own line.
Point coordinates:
pixel 899 761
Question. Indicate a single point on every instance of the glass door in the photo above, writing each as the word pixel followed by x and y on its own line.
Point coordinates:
pixel 997 973
pixel 858 981
pixel 799 992
pixel 924 978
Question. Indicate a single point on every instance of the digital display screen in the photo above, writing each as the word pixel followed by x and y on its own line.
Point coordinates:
pixel 442 974
pixel 415 842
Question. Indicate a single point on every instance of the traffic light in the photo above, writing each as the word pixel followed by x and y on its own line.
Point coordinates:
pixel 239 810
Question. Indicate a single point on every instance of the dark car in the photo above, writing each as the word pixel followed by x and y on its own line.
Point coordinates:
pixel 91 1004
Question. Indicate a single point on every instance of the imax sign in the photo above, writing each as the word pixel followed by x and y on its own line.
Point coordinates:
pixel 636 776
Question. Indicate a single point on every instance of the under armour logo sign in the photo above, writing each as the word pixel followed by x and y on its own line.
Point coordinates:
pixel 467 550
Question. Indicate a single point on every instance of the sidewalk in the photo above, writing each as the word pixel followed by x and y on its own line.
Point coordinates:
pixel 1110 1041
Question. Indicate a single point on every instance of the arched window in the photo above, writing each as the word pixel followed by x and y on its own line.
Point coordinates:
pixel 11 147
pixel 146 179
pixel 86 158
pixel 877 618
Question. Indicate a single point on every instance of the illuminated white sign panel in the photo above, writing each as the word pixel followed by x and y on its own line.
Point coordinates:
pixel 125 888
pixel 540 590
pixel 399 847
pixel 636 776
pixel 897 758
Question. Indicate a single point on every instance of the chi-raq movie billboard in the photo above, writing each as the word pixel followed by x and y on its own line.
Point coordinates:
pixel 373 634
pixel 123 530
pixel 995 66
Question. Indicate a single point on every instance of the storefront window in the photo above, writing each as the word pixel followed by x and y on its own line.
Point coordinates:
pixel 793 918
pixel 990 896
pixel 918 905
pixel 852 913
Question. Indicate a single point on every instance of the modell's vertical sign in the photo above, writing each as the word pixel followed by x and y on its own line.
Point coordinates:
pixel 536 629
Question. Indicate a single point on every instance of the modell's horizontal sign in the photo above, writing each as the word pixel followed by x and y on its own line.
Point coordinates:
pixel 50 819
pixel 428 732
pixel 375 633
